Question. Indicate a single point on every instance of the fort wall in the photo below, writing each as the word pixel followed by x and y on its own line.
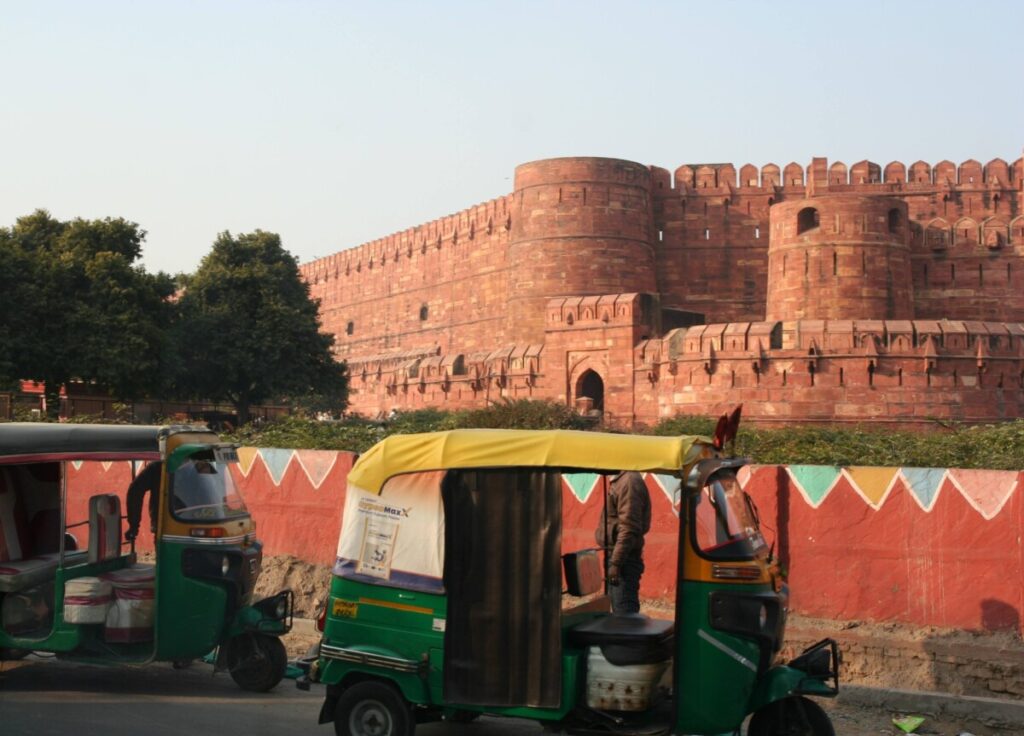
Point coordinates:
pixel 900 299
pixel 424 289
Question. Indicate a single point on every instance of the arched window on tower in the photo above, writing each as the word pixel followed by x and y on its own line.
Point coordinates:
pixel 350 328
pixel 423 313
pixel 895 220
pixel 806 219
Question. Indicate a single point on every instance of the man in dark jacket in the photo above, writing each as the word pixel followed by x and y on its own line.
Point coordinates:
pixel 147 481
pixel 624 522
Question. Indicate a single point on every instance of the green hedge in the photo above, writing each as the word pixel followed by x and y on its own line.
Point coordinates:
pixel 997 447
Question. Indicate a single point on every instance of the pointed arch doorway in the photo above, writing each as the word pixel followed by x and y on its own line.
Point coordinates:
pixel 591 385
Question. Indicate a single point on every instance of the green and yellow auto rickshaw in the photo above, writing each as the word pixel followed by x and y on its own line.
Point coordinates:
pixel 447 597
pixel 92 600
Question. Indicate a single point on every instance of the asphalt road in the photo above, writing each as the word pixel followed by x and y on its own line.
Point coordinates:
pixel 50 698
pixel 44 697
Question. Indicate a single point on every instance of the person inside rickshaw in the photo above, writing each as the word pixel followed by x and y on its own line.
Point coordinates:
pixel 147 481
pixel 202 489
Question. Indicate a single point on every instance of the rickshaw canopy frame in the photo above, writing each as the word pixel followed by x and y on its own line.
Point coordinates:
pixel 27 442
pixel 501 448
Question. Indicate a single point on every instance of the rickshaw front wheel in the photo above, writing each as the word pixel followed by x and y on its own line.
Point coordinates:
pixel 257 662
pixel 372 708
pixel 793 716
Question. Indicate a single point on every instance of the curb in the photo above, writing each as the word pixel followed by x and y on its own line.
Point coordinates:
pixel 987 711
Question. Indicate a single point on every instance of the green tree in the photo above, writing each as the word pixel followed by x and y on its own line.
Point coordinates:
pixel 15 274
pixel 248 331
pixel 83 309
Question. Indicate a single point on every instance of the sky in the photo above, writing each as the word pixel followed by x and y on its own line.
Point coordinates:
pixel 335 123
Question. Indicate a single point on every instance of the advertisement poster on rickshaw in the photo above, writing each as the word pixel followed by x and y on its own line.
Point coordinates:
pixel 395 536
pixel 378 547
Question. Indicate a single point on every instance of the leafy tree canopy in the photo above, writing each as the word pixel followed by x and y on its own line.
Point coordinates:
pixel 75 305
pixel 248 331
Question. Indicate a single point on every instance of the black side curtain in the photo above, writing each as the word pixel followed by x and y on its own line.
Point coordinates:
pixel 503 575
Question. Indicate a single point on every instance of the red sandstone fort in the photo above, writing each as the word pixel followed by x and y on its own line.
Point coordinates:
pixel 830 294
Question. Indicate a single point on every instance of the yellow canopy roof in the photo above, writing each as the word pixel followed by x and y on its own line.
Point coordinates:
pixel 502 448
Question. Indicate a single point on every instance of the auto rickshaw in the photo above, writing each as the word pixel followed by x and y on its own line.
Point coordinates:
pixel 447 596
pixel 95 602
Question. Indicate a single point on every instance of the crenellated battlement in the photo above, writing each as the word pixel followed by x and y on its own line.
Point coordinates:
pixel 933 339
pixel 697 179
pixel 486 219
pixel 588 312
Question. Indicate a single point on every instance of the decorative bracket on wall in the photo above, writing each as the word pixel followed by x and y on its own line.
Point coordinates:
pixel 813 354
pixel 709 357
pixel 982 355
pixel 930 353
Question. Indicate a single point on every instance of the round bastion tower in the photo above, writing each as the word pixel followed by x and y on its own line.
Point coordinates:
pixel 839 257
pixel 580 226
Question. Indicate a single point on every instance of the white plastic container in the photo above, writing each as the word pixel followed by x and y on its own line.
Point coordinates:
pixel 86 600
pixel 628 688
pixel 130 618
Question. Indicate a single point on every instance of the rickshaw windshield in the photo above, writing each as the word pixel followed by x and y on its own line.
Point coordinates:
pixel 726 524
pixel 203 489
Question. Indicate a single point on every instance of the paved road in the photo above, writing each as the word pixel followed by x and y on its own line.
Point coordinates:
pixel 49 698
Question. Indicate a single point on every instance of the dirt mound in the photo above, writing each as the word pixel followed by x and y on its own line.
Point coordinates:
pixel 309 582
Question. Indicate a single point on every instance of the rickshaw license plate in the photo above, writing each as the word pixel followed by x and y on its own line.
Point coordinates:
pixel 344 609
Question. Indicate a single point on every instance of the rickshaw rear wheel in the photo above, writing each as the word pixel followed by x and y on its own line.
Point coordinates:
pixel 257 662
pixel 793 716
pixel 373 708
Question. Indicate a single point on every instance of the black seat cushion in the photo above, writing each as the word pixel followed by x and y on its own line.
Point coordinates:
pixel 625 629
pixel 626 639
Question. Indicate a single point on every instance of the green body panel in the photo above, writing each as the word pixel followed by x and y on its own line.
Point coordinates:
pixel 249 618
pixel 712 687
pixel 190 617
pixel 190 614
pixel 571 691
pixel 385 621
pixel 380 620
pixel 410 684
pixel 65 637
pixel 781 682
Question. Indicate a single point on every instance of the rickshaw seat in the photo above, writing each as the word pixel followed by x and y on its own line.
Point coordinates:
pixel 627 629
pixel 104 527
pixel 21 574
pixel 626 639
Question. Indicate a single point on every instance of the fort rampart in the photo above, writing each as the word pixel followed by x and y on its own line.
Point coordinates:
pixel 826 292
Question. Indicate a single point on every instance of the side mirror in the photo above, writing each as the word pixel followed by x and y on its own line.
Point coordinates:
pixel 583 574
pixel 70 542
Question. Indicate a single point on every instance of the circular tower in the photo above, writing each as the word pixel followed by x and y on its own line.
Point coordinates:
pixel 580 227
pixel 839 257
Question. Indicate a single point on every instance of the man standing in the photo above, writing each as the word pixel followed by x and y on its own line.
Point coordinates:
pixel 147 481
pixel 624 522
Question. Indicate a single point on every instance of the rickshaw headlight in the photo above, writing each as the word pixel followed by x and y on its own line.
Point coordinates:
pixel 762 617
pixel 225 565
pixel 281 609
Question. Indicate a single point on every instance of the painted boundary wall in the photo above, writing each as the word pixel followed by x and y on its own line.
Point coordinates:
pixel 926 546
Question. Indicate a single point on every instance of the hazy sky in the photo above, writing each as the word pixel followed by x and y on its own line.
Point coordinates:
pixel 333 123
